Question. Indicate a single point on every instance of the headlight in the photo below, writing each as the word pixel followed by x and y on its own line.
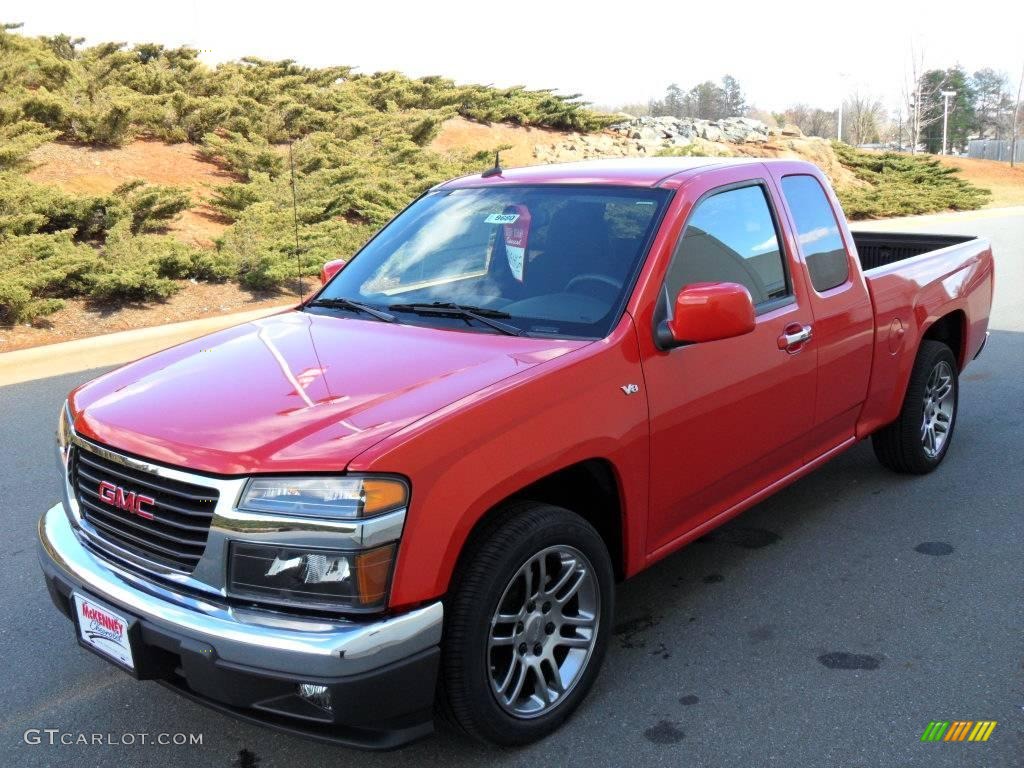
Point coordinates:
pixel 64 433
pixel 316 578
pixel 325 497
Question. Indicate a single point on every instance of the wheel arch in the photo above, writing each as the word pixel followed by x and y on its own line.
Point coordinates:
pixel 951 330
pixel 591 488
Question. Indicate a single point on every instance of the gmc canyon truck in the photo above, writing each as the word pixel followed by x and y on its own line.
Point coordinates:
pixel 412 495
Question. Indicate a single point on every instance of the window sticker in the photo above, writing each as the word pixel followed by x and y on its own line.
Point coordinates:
pixel 502 218
pixel 517 235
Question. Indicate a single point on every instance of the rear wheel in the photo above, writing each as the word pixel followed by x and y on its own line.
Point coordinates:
pixel 527 625
pixel 918 440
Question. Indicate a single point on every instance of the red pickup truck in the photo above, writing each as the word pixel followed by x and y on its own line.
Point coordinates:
pixel 413 494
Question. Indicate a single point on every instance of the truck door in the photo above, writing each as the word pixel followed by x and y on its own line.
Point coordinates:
pixel 729 417
pixel 839 301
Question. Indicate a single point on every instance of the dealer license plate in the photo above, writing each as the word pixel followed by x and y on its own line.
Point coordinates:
pixel 104 630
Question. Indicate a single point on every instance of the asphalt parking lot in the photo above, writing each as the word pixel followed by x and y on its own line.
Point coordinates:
pixel 827 626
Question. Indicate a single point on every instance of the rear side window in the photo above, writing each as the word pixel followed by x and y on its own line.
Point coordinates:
pixel 731 238
pixel 817 231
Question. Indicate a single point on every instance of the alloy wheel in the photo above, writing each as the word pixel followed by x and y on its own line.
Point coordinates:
pixel 543 631
pixel 937 409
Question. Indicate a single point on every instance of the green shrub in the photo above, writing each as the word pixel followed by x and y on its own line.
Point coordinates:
pixel 360 156
pixel 243 156
pixel 231 199
pixel 180 262
pixel 151 206
pixel 903 185
pixel 105 121
pixel 47 109
pixel 689 150
pixel 26 208
pixel 106 93
pixel 19 139
pixel 131 267
pixel 36 270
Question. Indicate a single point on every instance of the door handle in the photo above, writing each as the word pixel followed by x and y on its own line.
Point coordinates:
pixel 794 336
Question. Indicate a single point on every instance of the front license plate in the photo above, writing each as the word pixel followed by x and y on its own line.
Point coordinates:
pixel 104 630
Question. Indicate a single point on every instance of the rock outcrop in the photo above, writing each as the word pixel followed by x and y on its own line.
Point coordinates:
pixel 730 137
pixel 650 136
pixel 681 131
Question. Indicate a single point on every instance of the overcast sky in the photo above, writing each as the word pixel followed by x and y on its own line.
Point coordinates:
pixel 611 52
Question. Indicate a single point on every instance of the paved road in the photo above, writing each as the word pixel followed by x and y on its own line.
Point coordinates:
pixel 717 656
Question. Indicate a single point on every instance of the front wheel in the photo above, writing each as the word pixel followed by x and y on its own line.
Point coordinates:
pixel 918 440
pixel 527 624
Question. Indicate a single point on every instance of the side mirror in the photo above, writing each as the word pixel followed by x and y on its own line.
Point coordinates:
pixel 330 269
pixel 707 312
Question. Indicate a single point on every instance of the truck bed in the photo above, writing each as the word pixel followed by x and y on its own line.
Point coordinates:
pixel 913 280
pixel 878 249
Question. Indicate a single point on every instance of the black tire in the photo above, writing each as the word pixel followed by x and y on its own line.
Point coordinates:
pixel 488 570
pixel 900 445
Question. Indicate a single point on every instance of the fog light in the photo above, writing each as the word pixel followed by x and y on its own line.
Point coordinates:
pixel 318 695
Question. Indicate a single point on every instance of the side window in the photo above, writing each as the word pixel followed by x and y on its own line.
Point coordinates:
pixel 731 237
pixel 817 231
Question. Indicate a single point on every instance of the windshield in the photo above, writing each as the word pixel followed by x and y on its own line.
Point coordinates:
pixel 545 259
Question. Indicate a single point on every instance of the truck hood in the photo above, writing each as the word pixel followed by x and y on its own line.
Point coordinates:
pixel 295 392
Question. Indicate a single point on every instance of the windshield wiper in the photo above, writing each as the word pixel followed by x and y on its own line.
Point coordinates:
pixel 480 314
pixel 344 303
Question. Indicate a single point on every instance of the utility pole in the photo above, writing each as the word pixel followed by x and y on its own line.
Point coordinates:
pixel 1016 117
pixel 945 116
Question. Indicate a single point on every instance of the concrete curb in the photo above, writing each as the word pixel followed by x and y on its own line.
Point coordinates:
pixel 113 348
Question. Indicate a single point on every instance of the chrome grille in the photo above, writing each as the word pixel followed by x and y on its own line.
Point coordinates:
pixel 182 512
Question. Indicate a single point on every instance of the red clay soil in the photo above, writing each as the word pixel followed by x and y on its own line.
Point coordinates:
pixel 98 171
pixel 1006 183
pixel 461 134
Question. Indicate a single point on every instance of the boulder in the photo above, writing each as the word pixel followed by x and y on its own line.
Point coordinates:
pixel 649 133
pixel 712 133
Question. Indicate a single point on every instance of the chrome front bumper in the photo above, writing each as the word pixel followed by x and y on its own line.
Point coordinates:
pixel 272 642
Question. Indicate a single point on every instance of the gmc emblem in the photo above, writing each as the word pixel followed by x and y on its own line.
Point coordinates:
pixel 129 501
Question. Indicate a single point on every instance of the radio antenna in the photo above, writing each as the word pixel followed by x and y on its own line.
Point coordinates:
pixel 295 222
pixel 496 170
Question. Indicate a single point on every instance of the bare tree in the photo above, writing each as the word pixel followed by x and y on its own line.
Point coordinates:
pixel 992 102
pixel 921 97
pixel 810 120
pixel 865 118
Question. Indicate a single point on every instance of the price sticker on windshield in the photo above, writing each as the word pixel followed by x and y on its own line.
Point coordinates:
pixel 502 218
pixel 517 234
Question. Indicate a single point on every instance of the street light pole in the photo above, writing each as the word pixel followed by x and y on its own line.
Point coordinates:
pixel 945 116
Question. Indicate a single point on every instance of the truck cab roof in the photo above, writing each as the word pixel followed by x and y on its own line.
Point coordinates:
pixel 666 172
